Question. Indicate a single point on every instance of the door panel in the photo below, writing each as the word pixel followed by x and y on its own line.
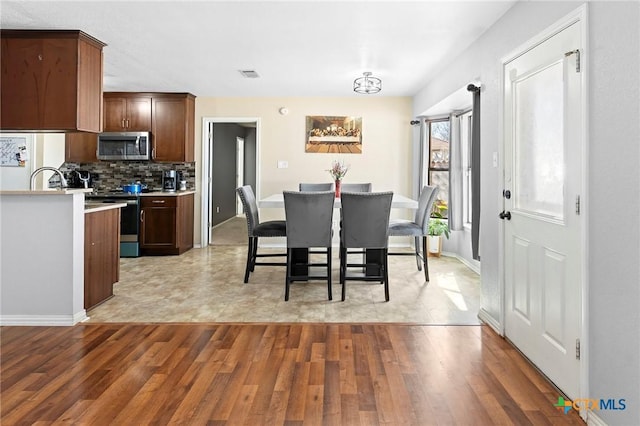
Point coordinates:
pixel 543 171
pixel 522 285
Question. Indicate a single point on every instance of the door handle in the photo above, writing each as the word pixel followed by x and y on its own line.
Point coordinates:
pixel 505 215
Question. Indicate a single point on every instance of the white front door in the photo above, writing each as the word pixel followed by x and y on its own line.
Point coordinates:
pixel 543 236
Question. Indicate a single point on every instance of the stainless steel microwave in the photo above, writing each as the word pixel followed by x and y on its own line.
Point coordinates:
pixel 124 146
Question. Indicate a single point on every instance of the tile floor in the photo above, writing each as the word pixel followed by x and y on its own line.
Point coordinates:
pixel 205 285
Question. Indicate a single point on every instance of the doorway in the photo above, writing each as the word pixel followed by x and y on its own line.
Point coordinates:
pixel 543 221
pixel 220 165
pixel 239 171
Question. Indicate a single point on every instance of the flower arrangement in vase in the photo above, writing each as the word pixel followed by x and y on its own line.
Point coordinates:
pixel 338 170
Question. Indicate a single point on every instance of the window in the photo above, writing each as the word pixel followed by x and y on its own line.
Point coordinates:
pixel 465 143
pixel 438 174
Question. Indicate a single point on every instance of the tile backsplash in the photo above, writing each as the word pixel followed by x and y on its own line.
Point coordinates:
pixel 110 175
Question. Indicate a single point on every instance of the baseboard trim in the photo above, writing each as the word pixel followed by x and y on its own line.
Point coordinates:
pixel 485 317
pixel 44 320
pixel 462 260
pixel 594 420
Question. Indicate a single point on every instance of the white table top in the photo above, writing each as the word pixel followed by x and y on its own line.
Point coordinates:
pixel 397 202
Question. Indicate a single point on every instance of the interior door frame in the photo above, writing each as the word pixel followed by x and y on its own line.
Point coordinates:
pixel 578 16
pixel 239 170
pixel 207 179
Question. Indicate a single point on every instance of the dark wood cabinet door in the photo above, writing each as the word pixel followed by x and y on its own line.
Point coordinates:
pixel 114 114
pixel 185 222
pixel 158 223
pixel 173 127
pixel 36 72
pixel 166 224
pixel 50 81
pixel 101 255
pixel 138 114
pixel 81 147
pixel 127 113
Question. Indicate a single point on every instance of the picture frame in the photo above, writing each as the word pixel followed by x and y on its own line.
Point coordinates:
pixel 333 134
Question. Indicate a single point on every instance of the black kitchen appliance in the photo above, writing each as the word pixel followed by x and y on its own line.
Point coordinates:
pixel 79 179
pixel 129 219
pixel 170 180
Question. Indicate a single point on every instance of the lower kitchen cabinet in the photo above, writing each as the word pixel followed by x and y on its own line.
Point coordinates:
pixel 101 255
pixel 166 224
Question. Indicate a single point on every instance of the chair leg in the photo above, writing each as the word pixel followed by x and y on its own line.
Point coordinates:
pixel 385 265
pixel 287 278
pixel 424 258
pixel 343 272
pixel 249 256
pixel 417 246
pixel 329 272
pixel 254 253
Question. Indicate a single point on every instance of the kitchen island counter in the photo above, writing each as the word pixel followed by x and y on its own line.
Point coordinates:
pixel 42 257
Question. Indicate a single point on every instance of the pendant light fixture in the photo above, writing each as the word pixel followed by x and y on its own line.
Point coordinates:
pixel 367 84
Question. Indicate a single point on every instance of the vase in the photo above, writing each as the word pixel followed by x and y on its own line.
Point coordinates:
pixel 337 188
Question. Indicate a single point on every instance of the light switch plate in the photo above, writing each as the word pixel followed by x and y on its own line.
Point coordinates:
pixel 283 164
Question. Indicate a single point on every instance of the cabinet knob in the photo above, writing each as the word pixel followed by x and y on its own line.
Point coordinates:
pixel 40 56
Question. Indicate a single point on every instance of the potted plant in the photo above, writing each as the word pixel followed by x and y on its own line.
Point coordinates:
pixel 437 228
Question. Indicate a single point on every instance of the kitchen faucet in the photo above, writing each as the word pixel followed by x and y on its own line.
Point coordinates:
pixel 63 181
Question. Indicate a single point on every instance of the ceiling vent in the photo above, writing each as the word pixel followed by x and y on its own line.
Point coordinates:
pixel 249 73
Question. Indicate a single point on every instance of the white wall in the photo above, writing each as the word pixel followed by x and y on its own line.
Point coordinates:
pixel 17 178
pixel 613 200
pixel 614 243
pixel 386 146
pixel 44 149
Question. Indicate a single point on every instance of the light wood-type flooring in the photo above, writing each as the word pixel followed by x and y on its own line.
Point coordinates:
pixel 269 374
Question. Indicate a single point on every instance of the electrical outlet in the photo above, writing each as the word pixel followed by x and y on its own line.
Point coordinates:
pixel 283 164
pixel 217 209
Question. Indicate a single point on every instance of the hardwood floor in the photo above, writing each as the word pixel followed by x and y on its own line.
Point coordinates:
pixel 269 374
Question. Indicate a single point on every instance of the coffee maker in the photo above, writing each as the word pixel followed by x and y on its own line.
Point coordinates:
pixel 169 180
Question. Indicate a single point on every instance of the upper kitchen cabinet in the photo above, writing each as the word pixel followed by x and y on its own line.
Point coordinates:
pixel 172 127
pixel 124 112
pixel 81 147
pixel 51 80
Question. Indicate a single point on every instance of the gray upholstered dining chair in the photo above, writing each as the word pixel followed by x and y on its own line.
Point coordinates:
pixel 314 187
pixel 256 230
pixel 365 228
pixel 417 228
pixel 309 219
pixel 356 187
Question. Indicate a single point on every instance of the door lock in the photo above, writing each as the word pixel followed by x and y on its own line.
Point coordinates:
pixel 505 215
pixel 506 194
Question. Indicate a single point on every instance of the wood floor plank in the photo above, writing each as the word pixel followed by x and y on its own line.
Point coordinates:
pixel 269 374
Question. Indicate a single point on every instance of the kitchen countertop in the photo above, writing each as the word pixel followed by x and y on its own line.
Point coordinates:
pixel 166 193
pixel 98 207
pixel 67 191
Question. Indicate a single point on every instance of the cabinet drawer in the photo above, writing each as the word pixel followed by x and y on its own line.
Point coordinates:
pixel 158 201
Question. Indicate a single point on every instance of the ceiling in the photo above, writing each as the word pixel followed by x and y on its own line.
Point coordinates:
pixel 299 48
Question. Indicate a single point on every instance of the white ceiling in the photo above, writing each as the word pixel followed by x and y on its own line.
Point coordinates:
pixel 299 48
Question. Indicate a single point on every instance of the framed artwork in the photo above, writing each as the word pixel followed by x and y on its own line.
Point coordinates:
pixel 334 134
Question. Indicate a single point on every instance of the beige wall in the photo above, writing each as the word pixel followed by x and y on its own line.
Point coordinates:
pixel 386 149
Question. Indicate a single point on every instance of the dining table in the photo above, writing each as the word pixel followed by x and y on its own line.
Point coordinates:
pixel 397 202
pixel 300 256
